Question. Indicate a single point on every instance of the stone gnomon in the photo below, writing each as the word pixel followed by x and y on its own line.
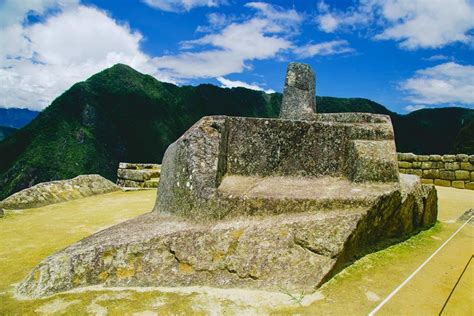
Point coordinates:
pixel 257 203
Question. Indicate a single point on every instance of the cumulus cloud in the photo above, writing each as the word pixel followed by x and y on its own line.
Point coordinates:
pixel 182 5
pixel 226 83
pixel 323 49
pixel 39 61
pixel 412 23
pixel 229 49
pixel 445 83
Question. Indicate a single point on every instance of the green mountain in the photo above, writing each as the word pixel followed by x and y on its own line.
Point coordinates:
pixel 6 131
pixel 16 118
pixel 120 114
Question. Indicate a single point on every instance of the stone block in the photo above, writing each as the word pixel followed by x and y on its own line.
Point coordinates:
pixel 471 159
pixel 406 157
pixel 451 166
pixel 472 176
pixel 458 184
pixel 469 185
pixel 299 98
pixel 416 164
pixel 448 158
pixel 437 165
pixel 430 174
pixel 447 175
pixel 153 183
pixel 435 157
pixel 427 181
pixel 423 158
pixel 462 175
pixel 129 165
pixel 137 175
pixel 443 183
pixel 462 157
pixel 404 164
pixel 466 166
pixel 130 183
pixel 426 165
pixel 417 172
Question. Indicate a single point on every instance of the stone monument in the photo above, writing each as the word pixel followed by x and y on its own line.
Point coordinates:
pixel 257 203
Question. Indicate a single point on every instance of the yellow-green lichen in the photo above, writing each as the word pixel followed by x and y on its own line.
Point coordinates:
pixel 185 268
pixel 125 272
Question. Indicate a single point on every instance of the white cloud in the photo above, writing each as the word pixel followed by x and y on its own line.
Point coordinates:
pixel 229 50
pixel 445 83
pixel 428 24
pixel 14 11
pixel 413 23
pixel 226 83
pixel 182 5
pixel 41 60
pixel 216 21
pixel 415 107
pixel 328 23
pixel 323 49
pixel 332 20
pixel 437 58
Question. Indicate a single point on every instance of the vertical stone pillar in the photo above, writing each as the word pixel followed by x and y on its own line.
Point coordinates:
pixel 299 96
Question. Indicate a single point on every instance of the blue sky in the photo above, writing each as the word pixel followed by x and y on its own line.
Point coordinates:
pixel 404 54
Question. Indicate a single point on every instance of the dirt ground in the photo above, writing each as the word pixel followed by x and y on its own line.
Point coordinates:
pixel 444 285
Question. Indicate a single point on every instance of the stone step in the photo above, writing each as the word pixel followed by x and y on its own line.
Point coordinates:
pixel 275 195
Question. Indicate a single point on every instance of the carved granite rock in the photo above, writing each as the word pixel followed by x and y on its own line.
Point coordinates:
pixel 297 251
pixel 299 94
pixel 59 191
pixel 231 166
pixel 257 203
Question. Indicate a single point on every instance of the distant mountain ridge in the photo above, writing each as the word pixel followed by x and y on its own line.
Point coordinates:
pixel 16 118
pixel 120 114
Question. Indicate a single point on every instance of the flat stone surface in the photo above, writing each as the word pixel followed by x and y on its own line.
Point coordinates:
pixel 303 188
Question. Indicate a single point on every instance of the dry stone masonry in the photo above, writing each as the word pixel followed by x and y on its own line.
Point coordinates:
pixel 138 175
pixel 257 203
pixel 447 170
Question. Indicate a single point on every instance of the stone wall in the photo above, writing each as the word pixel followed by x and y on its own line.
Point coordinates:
pixel 138 175
pixel 445 170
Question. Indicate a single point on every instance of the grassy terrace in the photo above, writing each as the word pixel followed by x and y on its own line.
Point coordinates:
pixel 30 235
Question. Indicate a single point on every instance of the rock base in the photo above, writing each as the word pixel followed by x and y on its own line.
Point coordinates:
pixel 53 192
pixel 297 251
